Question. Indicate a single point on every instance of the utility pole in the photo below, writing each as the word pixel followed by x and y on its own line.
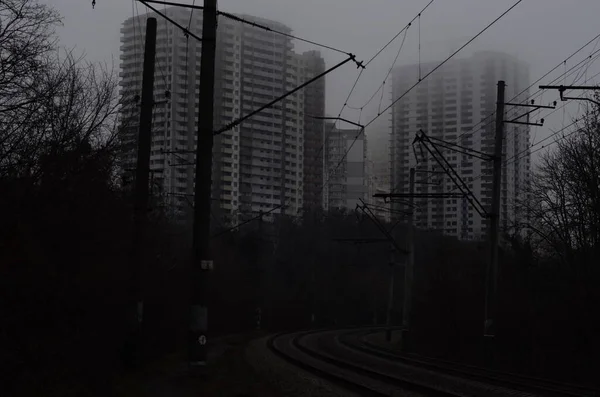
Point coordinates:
pixel 562 88
pixel 259 273
pixel 202 263
pixel 410 264
pixel 394 247
pixel 494 216
pixel 390 305
pixel 141 189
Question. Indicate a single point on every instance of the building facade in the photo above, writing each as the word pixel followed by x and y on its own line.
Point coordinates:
pixel 345 168
pixel 257 165
pixel 455 104
pixel 314 132
pixel 378 172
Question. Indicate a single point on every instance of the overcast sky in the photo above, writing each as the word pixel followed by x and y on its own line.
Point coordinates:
pixel 541 32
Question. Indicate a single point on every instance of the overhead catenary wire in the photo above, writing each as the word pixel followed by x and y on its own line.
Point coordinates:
pixel 158 62
pixel 588 63
pixel 382 85
pixel 527 152
pixel 291 36
pixel 432 71
pixel 188 33
pixel 539 93
pixel 534 96
pixel 185 162
pixel 326 135
pixel 404 29
pixel 446 60
pixel 185 30
pixel 247 221
pixel 351 57
pixel 522 154
pixel 191 15
pixel 419 47
pixel 391 68
pixel 280 98
pixel 398 34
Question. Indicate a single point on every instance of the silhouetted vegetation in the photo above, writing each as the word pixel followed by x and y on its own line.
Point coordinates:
pixel 65 235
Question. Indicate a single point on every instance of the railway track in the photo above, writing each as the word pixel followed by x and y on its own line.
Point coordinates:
pixel 360 341
pixel 355 377
pixel 349 359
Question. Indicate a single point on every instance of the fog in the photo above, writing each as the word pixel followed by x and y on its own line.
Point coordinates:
pixel 123 275
pixel 540 32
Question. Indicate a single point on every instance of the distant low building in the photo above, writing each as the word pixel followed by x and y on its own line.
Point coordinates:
pixel 345 167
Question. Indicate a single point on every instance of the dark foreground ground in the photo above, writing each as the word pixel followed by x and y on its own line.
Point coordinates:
pixel 228 374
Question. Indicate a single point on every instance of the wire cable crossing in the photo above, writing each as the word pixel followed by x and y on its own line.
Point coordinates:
pixel 274 101
pixel 269 29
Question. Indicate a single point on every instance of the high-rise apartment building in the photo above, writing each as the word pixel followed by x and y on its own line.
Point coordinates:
pixel 257 165
pixel 345 168
pixel 455 105
pixel 314 107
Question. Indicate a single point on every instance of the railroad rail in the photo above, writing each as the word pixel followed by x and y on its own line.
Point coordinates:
pixel 362 341
pixel 350 359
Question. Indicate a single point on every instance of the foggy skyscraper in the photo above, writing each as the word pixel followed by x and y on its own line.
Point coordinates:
pixel 257 165
pixel 454 104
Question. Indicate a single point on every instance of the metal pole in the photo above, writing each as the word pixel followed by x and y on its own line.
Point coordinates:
pixel 492 270
pixel 410 263
pixel 142 174
pixel 390 308
pixel 203 181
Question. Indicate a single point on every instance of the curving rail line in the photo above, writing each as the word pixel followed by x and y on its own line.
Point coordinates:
pixel 351 360
pixel 360 341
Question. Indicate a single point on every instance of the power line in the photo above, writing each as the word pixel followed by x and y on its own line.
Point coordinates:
pixel 345 104
pixel 269 29
pixel 247 221
pixel 326 135
pixel 280 98
pixel 185 30
pixel 361 131
pixel 382 86
pixel 404 29
pixel 445 60
pixel 187 33
pixel 162 72
pixel 526 152
pixel 539 92
pixel 537 81
pixel 434 69
pixel 239 19
pixel 398 34
pixel 191 14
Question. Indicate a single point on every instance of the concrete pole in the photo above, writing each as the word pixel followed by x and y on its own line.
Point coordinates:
pixel 141 192
pixel 202 263
pixel 390 306
pixel 410 264
pixel 492 270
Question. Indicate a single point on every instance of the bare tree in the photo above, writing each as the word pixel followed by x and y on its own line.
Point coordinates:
pixel 565 194
pixel 27 40
pixel 51 102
